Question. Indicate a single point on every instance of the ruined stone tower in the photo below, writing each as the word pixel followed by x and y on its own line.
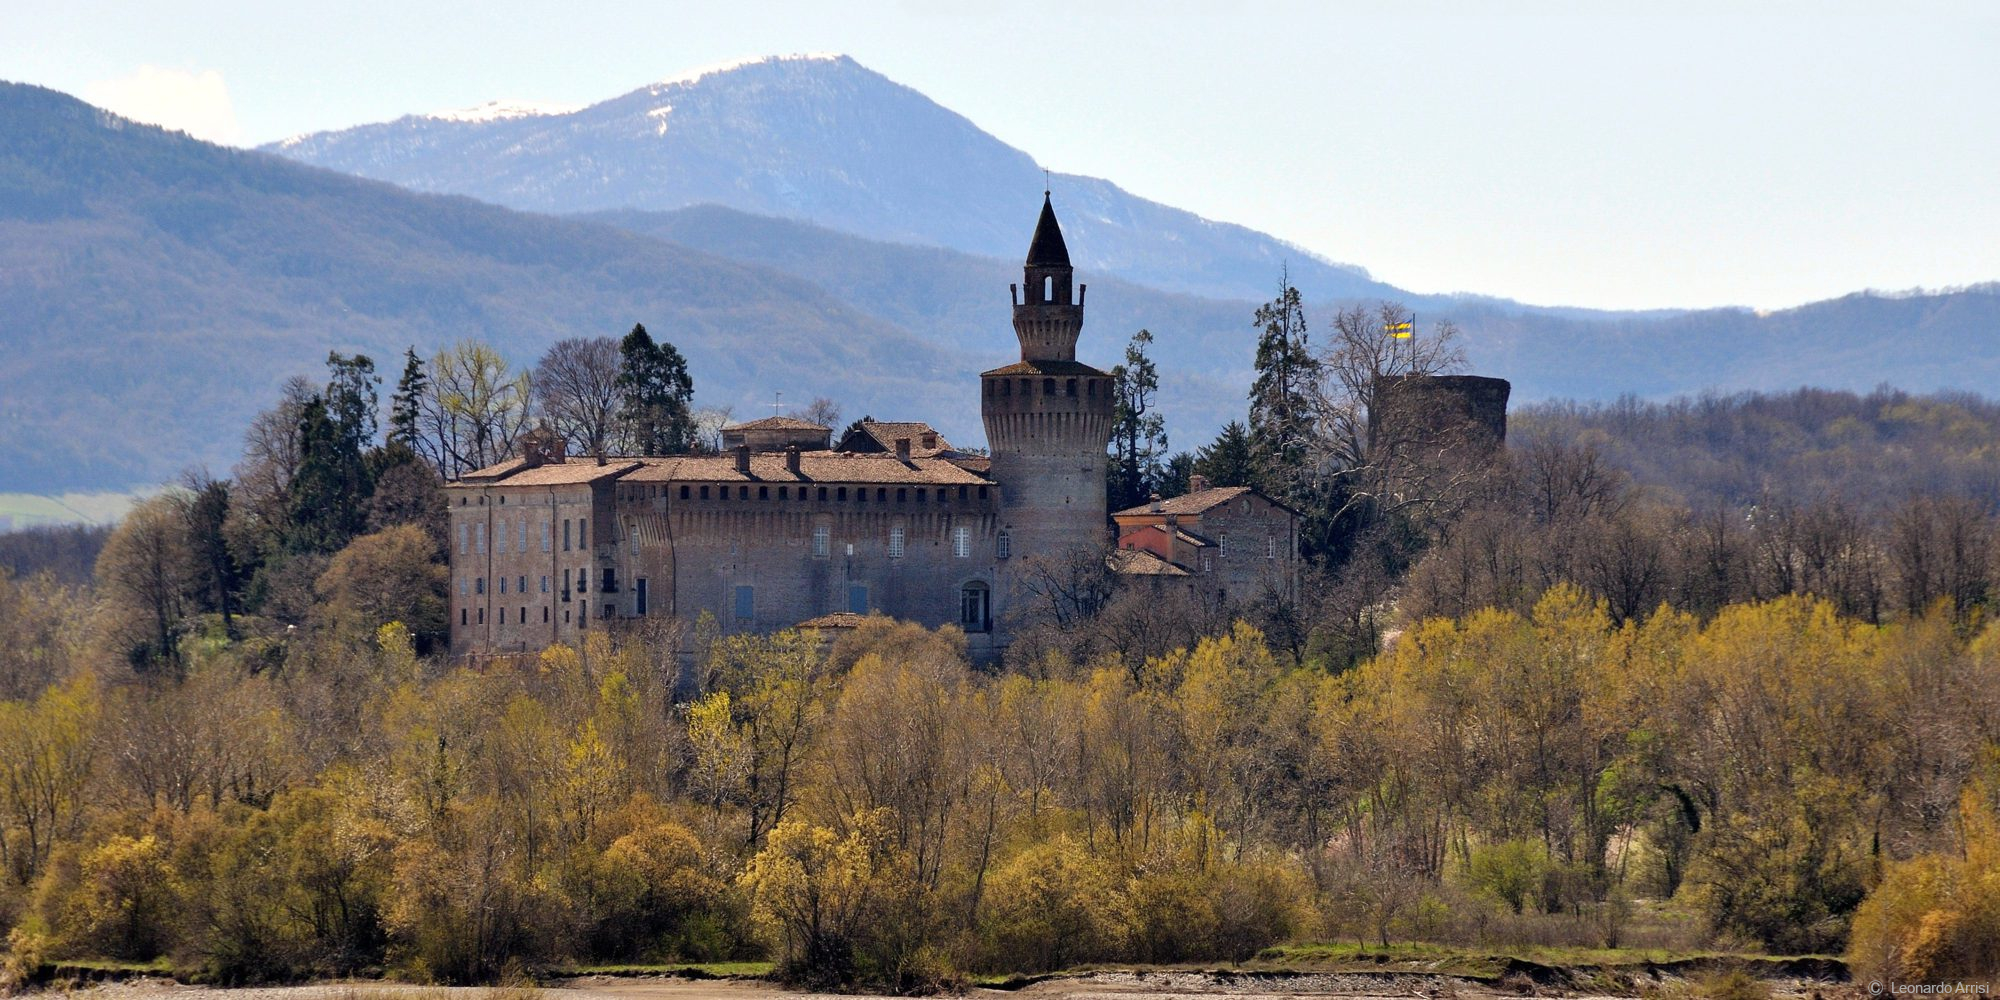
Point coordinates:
pixel 1047 416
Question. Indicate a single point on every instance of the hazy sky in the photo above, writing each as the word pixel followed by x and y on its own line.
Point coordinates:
pixel 1586 153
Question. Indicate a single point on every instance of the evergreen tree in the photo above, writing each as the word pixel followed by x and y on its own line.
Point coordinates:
pixel 1282 418
pixel 328 501
pixel 215 571
pixel 406 406
pixel 658 412
pixel 1230 460
pixel 351 399
pixel 1175 473
pixel 1138 436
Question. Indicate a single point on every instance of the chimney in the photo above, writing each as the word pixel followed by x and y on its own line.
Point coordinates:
pixel 743 459
pixel 792 460
pixel 902 449
pixel 1153 504
pixel 1197 483
pixel 930 439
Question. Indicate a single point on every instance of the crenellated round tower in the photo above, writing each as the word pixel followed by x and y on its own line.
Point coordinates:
pixel 1048 416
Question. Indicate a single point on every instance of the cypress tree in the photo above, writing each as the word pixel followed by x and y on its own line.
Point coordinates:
pixel 406 406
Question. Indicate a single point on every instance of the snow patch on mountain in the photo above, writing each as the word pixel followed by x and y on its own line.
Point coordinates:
pixel 501 110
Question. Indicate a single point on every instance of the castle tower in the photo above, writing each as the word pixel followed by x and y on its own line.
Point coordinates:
pixel 1047 416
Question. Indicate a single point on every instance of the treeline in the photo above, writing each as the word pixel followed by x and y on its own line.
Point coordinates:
pixel 1869 451
pixel 877 812
pixel 334 519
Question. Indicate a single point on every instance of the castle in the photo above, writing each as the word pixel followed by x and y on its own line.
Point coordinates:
pixel 785 526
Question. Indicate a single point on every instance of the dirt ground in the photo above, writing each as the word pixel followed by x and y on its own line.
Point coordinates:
pixel 1165 985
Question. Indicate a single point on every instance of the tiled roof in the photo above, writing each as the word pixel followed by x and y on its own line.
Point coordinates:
pixel 1190 503
pixel 574 472
pixel 1058 368
pixel 1139 562
pixel 883 434
pixel 776 424
pixel 814 467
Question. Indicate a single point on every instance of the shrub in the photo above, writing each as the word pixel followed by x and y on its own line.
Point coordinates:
pixel 1509 871
pixel 1936 917
pixel 1054 905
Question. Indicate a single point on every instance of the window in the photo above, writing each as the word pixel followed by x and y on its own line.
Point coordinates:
pixel 462 617
pixel 565 534
pixel 1003 545
pixel 479 585
pixel 583 581
pixel 546 541
pixel 857 598
pixel 545 584
pixel 746 603
pixel 479 539
pixel 684 492
pixel 521 539
pixel 821 537
pixel 610 581
pixel 1049 288
pixel 896 542
pixel 503 616
pixel 545 614
pixel 565 590
pixel 1070 388
pixel 503 584
pixel 583 614
pixel 961 542
pixel 974 608
pixel 632 531
pixel 1222 546
pixel 464 587
pixel 1270 546
pixel 500 538
pixel 583 532
pixel 521 584
pixel 524 615
pixel 639 597
pixel 1048 387
pixel 464 531
pixel 704 491
pixel 482 616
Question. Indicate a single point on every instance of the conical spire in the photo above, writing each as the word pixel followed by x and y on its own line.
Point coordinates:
pixel 1048 249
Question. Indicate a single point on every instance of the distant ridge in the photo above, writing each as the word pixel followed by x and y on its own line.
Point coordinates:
pixel 155 290
pixel 820 139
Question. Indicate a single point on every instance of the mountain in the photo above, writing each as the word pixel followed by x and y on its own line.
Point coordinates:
pixel 1920 342
pixel 817 139
pixel 156 290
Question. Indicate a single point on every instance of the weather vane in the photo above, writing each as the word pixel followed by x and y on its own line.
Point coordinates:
pixel 777 402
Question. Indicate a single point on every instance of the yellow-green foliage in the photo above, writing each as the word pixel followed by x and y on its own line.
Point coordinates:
pixel 881 814
pixel 1937 916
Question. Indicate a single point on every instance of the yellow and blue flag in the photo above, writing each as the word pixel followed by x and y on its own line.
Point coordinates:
pixel 1401 331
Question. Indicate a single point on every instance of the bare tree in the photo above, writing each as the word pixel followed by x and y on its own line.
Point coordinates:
pixel 822 411
pixel 475 408
pixel 576 383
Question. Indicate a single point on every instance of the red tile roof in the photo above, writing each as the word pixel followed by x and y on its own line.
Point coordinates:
pixel 1191 503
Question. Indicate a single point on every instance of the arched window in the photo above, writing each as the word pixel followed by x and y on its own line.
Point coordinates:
pixel 1049 288
pixel 975 607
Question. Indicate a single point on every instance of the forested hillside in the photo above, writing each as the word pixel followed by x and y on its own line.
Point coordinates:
pixel 1872 450
pixel 155 290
